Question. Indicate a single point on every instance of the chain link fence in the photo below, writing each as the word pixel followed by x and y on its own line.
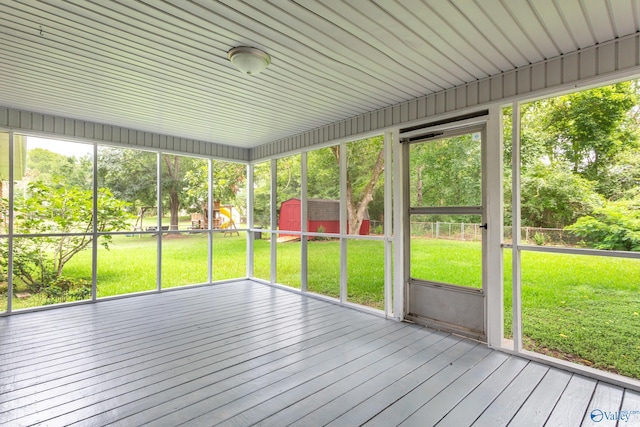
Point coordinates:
pixel 543 236
pixel 473 232
pixel 447 230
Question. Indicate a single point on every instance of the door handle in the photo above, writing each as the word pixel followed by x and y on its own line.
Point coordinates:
pixel 484 226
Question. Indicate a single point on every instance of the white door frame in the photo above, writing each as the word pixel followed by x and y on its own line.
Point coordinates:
pixel 493 215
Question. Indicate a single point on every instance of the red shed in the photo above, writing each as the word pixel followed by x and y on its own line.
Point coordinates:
pixel 320 213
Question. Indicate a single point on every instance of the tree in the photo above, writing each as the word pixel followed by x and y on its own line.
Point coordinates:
pixel 47 166
pixel 262 194
pixel 323 178
pixel 61 209
pixel 615 226
pixel 446 172
pixel 622 178
pixel 172 183
pixel 116 167
pixel 130 174
pixel 228 181
pixel 577 151
pixel 553 196
pixel 365 166
pixel 589 128
pixel 288 179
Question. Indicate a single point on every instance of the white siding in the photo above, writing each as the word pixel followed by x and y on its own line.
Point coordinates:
pixel 29 122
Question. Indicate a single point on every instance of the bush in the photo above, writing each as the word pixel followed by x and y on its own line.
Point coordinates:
pixel 613 227
pixel 539 239
pixel 51 208
pixel 65 289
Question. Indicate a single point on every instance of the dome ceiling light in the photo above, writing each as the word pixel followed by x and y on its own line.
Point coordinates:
pixel 249 60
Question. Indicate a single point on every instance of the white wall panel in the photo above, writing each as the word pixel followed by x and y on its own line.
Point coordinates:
pixel 627 53
pixel 607 58
pixel 571 67
pixel 588 63
pixel 554 73
pixel 440 103
pixel 472 94
pixel 610 60
pixel 510 84
pixel 524 80
pixel 484 91
pixel 30 122
pixel 538 76
pixel 497 87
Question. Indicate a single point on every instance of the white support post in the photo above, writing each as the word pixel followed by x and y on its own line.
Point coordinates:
pixel 274 220
pixel 516 261
pixel 343 222
pixel 210 220
pixel 159 221
pixel 493 272
pixel 11 217
pixel 250 225
pixel 388 223
pixel 401 237
pixel 94 231
pixel 303 223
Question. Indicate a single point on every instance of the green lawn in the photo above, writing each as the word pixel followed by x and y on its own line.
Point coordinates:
pixel 584 309
pixel 581 308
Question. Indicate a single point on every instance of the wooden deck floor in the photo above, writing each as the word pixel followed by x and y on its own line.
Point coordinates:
pixel 242 354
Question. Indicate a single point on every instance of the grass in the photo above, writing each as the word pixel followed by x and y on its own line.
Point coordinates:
pixel 583 309
pixel 448 261
pixel 365 267
pixel 579 308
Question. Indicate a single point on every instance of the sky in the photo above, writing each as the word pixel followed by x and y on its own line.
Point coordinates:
pixel 58 146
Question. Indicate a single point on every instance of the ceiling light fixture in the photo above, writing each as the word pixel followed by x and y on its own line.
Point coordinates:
pixel 249 60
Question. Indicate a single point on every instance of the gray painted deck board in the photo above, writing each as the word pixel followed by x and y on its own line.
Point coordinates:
pixel 572 406
pixel 438 407
pixel 410 402
pixel 366 410
pixel 539 405
pixel 467 411
pixel 243 353
pixel 328 404
pixel 500 412
pixel 607 398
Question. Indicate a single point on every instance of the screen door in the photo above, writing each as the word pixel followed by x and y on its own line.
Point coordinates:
pixel 446 229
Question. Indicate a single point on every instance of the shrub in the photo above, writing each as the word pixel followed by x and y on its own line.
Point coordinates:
pixel 613 227
pixel 539 239
pixel 50 208
pixel 65 289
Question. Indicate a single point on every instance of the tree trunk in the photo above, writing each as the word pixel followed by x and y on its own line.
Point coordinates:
pixel 419 189
pixel 174 207
pixel 173 167
pixel 357 208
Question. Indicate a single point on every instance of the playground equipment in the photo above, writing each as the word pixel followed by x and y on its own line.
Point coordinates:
pixel 143 209
pixel 222 219
pixel 229 226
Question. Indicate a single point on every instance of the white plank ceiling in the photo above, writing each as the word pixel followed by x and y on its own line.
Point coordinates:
pixel 161 65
